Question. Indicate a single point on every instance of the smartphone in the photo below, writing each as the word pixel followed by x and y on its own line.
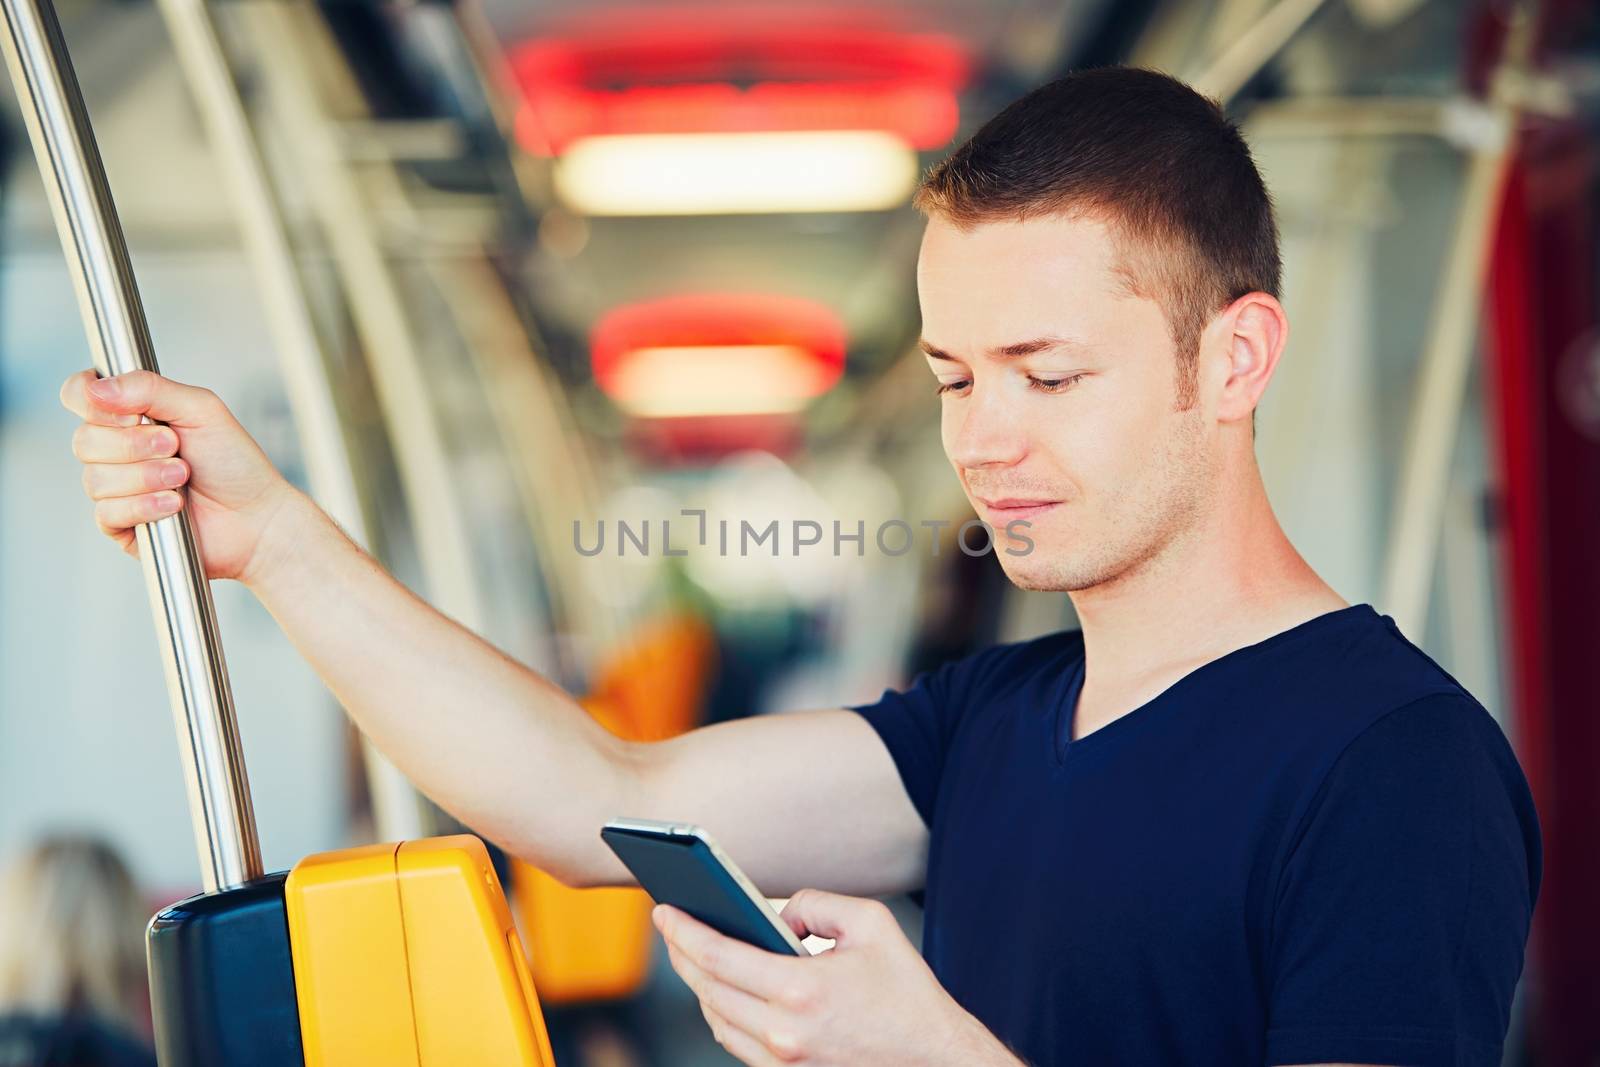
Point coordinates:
pixel 679 864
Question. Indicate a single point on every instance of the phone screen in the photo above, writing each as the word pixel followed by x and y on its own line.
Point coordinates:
pixel 681 870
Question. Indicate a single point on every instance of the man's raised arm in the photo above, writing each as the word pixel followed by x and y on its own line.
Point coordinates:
pixel 802 799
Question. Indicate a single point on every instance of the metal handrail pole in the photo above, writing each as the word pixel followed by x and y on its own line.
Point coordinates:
pixel 119 340
pixel 307 374
pixel 1439 402
pixel 295 35
pixel 1225 75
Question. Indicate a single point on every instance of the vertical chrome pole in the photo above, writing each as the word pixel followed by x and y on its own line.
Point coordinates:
pixel 119 339
pixel 1422 486
pixel 307 375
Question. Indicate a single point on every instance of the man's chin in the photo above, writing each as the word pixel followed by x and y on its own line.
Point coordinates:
pixel 1042 564
pixel 1031 573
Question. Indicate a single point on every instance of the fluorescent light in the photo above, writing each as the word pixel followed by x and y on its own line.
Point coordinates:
pixel 676 381
pixel 736 173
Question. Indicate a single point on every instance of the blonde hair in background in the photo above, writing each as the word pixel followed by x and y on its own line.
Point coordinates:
pixel 72 934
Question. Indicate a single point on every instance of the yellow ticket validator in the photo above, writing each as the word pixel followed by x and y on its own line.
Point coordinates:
pixel 405 955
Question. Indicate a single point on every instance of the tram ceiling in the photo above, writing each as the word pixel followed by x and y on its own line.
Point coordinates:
pixel 657 65
pixel 583 263
pixel 764 62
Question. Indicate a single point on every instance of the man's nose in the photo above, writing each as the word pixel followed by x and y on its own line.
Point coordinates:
pixel 988 430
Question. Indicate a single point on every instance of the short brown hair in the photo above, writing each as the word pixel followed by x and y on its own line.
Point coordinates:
pixel 1160 163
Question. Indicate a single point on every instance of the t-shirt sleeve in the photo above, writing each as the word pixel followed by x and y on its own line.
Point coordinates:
pixel 1402 910
pixel 915 725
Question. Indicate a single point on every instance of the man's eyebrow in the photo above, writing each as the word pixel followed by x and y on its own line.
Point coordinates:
pixel 1016 348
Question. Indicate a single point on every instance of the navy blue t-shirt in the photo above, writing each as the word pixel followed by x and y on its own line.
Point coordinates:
pixel 1315 849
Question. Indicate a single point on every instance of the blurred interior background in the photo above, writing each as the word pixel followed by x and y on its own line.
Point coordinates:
pixel 496 278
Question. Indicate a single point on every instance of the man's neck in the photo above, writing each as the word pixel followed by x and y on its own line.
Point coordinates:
pixel 1230 581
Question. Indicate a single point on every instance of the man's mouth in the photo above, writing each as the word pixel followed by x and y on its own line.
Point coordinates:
pixel 1010 509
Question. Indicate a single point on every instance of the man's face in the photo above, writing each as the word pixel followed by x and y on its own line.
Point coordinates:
pixel 1081 439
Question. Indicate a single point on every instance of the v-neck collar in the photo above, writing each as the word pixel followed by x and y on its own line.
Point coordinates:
pixel 1065 710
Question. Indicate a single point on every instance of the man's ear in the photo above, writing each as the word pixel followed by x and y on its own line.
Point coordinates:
pixel 1246 338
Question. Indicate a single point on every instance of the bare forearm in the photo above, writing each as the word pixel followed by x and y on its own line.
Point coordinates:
pixel 500 747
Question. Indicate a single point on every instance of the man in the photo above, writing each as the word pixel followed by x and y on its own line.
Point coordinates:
pixel 1233 820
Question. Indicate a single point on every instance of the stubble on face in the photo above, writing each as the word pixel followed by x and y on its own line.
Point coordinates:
pixel 1133 479
pixel 1133 526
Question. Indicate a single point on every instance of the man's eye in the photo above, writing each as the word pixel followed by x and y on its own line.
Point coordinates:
pixel 1054 385
pixel 945 387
